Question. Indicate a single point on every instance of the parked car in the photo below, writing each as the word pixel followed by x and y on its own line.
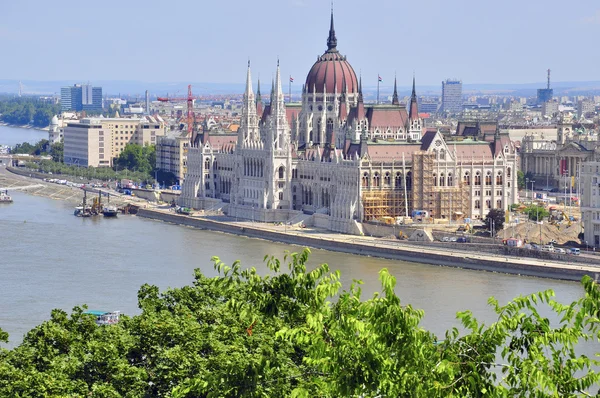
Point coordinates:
pixel 445 239
pixel 574 251
pixel 559 250
pixel 462 239
pixel 453 239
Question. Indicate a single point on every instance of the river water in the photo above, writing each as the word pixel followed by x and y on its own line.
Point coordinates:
pixel 51 259
pixel 12 136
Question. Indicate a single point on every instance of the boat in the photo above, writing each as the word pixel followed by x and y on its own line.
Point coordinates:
pixel 5 197
pixel 105 317
pixel 110 211
pixel 83 210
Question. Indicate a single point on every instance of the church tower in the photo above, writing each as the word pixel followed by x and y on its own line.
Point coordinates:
pixel 248 131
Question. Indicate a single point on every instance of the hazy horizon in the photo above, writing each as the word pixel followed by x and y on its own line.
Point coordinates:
pixel 477 42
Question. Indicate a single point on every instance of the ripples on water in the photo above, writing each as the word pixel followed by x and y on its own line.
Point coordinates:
pixel 51 259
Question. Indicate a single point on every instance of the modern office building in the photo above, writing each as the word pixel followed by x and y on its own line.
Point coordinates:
pixel 81 98
pixel 590 202
pixel 171 154
pixel 97 141
pixel 452 96
pixel 585 107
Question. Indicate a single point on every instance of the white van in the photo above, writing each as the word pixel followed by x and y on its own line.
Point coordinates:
pixel 575 251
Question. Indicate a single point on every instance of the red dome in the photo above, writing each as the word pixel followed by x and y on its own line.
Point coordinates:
pixel 329 72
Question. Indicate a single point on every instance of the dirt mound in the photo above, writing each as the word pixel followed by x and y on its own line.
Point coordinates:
pixel 530 231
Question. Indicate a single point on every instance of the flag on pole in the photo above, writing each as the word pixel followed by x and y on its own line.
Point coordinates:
pixel 291 79
pixel 379 78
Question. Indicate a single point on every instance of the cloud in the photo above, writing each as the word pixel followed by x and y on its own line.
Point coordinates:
pixel 593 19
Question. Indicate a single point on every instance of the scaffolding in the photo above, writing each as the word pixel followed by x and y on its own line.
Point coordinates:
pixel 441 202
pixel 383 205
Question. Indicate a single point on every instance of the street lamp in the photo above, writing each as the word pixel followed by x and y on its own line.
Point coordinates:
pixel 532 182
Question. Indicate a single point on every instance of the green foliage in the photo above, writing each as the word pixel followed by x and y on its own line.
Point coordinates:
pixel 88 173
pixel 57 151
pixel 297 333
pixel 138 158
pixel 520 179
pixel 27 110
pixel 496 218
pixel 536 213
pixel 40 148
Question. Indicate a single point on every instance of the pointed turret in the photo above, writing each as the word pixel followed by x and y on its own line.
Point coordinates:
pixel 360 107
pixel 248 91
pixel 259 103
pixel 395 100
pixel 331 40
pixel 414 107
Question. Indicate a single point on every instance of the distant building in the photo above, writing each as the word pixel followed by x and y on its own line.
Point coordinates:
pixel 585 107
pixel 81 98
pixel 550 108
pixel 97 141
pixel 452 96
pixel 590 202
pixel 429 106
pixel 171 154
pixel 544 95
pixel 55 132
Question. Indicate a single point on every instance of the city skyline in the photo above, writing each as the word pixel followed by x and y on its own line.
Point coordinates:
pixel 436 40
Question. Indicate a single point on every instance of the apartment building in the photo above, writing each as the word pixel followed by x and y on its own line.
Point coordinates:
pixel 97 141
pixel 590 202
pixel 171 154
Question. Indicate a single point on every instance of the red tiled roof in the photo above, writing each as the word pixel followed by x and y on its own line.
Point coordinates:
pixel 220 141
pixel 392 152
pixel 388 116
pixel 329 73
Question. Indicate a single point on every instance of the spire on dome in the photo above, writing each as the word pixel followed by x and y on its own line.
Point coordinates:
pixel 395 100
pixel 331 40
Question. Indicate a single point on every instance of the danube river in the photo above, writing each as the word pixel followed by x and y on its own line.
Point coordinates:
pixel 12 136
pixel 51 259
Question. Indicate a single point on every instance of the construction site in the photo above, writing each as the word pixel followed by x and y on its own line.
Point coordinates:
pixel 421 199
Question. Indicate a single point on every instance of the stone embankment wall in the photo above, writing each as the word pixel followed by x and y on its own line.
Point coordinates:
pixel 433 257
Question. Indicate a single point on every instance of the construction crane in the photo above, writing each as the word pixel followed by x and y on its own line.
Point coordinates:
pixel 190 112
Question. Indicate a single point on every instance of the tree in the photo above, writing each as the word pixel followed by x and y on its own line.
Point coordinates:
pixel 138 158
pixel 297 333
pixel 495 219
pixel 521 180
pixel 536 213
pixel 57 150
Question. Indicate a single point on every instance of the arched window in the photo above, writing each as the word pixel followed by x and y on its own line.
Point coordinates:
pixel 280 195
pixel 442 180
pixel 329 129
pixel 488 178
pixel 281 170
pixel 477 178
pixel 207 164
pixel 376 179
pixel 387 179
pixel 508 172
pixel 488 204
pixel 435 180
pixel 467 178
pixel 499 178
pixel 450 180
pixel 409 180
pixel 477 204
pixel 398 180
pixel 365 180
pixel 499 204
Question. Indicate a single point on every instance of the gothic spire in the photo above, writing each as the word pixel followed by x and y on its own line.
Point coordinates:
pixel 360 96
pixel 248 92
pixel 414 92
pixel 331 40
pixel 413 112
pixel 258 98
pixel 395 100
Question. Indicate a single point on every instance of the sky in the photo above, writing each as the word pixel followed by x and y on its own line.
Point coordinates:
pixel 501 42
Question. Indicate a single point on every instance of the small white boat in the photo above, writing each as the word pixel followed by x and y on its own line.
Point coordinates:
pixel 5 197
